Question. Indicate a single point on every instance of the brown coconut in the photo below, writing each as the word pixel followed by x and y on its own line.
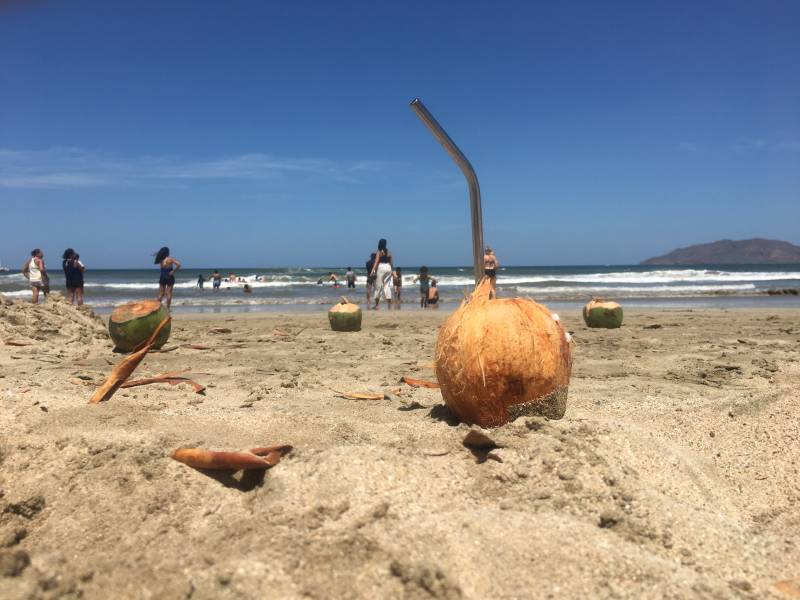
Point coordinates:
pixel 500 359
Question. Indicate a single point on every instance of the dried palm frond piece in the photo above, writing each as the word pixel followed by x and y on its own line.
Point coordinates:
pixel 420 383
pixel 257 458
pixel 127 366
pixel 360 395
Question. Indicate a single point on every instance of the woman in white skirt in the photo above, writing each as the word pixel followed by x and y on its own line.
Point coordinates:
pixel 382 269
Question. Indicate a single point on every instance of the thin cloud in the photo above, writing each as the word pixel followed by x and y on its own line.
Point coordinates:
pixel 741 146
pixel 76 167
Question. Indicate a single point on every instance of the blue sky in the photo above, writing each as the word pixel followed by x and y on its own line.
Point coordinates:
pixel 279 133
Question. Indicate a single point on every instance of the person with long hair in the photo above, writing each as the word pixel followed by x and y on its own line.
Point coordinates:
pixel 166 281
pixel 382 270
pixel 73 274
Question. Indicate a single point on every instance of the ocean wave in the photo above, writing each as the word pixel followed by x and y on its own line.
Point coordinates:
pixel 663 290
pixel 670 276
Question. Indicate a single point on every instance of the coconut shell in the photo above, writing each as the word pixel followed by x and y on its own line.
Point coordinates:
pixel 500 359
pixel 132 324
pixel 345 316
pixel 598 313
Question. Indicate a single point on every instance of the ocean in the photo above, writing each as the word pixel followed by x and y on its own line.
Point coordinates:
pixel 297 289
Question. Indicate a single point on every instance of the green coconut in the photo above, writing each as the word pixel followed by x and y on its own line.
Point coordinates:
pixel 598 313
pixel 133 323
pixel 345 316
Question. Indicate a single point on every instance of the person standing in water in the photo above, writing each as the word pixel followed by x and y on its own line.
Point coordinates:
pixel 397 284
pixel 370 277
pixel 350 278
pixel 382 269
pixel 200 281
pixel 36 273
pixel 216 280
pixel 166 281
pixel 73 273
pixel 490 266
pixel 425 281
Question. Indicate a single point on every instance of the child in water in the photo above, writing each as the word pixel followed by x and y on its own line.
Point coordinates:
pixel 425 281
pixel 433 295
pixel 397 283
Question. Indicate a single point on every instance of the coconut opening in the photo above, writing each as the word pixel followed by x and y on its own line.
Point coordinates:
pixel 134 310
pixel 345 308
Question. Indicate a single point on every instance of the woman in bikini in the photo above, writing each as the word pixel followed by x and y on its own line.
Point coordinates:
pixel 490 266
pixel 166 281
pixel 73 274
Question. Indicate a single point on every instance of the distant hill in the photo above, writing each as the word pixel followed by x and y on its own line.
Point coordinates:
pixel 731 252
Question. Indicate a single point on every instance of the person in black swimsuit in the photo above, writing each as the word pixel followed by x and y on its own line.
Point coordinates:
pixel 166 281
pixel 490 266
pixel 73 273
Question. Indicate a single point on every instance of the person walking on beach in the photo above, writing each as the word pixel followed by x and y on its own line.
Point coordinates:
pixel 73 274
pixel 425 280
pixel 397 284
pixel 36 273
pixel 382 269
pixel 216 280
pixel 350 278
pixel 166 280
pixel 490 266
pixel 370 277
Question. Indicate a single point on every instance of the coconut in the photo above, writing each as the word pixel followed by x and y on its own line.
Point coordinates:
pixel 598 313
pixel 133 323
pixel 345 316
pixel 499 359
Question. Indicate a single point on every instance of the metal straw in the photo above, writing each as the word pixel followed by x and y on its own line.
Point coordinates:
pixel 472 181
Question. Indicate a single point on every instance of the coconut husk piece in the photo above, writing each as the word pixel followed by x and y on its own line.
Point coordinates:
pixel 282 333
pixel 788 587
pixel 126 367
pixel 360 395
pixel 420 383
pixel 481 446
pixel 173 378
pixel 272 454
pixel 196 347
pixel 16 343
pixel 257 458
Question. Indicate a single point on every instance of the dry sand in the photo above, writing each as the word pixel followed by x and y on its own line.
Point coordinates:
pixel 673 474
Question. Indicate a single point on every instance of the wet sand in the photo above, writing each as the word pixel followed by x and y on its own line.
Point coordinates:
pixel 673 474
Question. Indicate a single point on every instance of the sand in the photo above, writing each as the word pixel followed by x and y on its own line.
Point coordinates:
pixel 673 474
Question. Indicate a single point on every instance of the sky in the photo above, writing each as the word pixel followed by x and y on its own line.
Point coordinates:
pixel 253 133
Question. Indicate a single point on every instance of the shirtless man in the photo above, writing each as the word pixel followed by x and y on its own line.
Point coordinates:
pixel 490 266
